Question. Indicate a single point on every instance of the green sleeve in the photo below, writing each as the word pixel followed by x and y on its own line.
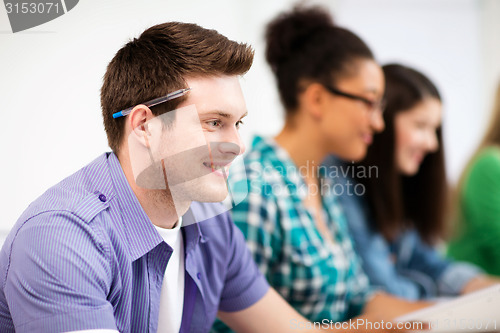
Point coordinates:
pixel 481 211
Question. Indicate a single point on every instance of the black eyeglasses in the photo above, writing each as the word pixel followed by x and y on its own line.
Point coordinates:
pixel 372 105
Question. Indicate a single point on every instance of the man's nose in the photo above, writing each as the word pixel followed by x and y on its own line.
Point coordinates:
pixel 231 143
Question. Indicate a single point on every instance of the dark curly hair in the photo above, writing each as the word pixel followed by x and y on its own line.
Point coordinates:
pixel 304 45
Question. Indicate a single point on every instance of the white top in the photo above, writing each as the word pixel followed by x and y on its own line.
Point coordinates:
pixel 172 289
pixel 474 312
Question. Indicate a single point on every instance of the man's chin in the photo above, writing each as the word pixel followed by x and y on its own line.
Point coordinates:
pixel 212 197
pixel 213 192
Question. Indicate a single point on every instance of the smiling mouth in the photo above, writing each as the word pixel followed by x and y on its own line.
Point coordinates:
pixel 367 138
pixel 221 168
pixel 419 157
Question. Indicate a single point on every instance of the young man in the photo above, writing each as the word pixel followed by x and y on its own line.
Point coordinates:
pixel 103 249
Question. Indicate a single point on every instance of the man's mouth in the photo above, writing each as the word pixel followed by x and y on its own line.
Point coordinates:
pixel 219 168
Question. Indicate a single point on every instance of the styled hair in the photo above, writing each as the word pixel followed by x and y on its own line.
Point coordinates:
pixel 158 63
pixel 398 201
pixel 304 46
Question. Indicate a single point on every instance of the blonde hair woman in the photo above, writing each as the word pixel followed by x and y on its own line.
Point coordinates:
pixel 478 203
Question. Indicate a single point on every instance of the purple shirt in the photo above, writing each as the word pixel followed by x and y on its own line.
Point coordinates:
pixel 85 255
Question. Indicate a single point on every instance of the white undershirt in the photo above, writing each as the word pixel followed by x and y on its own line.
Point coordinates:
pixel 172 293
pixel 172 289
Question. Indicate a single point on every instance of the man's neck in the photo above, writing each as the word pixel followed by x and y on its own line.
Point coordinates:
pixel 161 209
pixel 159 206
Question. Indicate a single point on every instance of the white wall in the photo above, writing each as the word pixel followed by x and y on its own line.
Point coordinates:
pixel 50 75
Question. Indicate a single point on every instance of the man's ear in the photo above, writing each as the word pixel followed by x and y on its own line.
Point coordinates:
pixel 141 124
pixel 313 99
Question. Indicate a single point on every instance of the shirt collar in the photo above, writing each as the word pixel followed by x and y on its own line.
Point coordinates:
pixel 140 232
pixel 282 163
pixel 192 230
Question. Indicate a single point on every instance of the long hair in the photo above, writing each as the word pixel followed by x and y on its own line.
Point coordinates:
pixel 397 201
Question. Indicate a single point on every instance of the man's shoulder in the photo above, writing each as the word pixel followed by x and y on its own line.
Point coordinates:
pixel 213 222
pixel 62 217
pixel 210 217
pixel 88 188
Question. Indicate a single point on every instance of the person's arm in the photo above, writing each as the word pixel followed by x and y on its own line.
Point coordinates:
pixel 270 314
pixel 273 314
pixel 481 207
pixel 480 282
pixel 450 276
pixel 95 331
pixel 374 251
pixel 383 306
pixel 58 276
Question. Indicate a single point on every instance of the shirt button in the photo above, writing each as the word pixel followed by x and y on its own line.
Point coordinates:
pixel 102 197
pixel 198 275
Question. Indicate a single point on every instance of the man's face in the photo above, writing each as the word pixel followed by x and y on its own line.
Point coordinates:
pixel 193 154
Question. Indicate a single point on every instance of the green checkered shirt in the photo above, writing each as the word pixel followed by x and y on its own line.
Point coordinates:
pixel 320 279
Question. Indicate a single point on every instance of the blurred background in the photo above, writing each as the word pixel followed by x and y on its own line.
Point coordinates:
pixel 50 75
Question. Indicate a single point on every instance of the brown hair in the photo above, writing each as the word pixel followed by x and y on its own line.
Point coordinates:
pixel 158 62
pixel 492 136
pixel 304 45
pixel 398 201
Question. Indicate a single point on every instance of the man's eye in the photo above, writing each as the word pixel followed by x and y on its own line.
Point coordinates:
pixel 239 123
pixel 215 123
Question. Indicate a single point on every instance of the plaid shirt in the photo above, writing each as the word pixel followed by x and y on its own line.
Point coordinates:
pixel 319 278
